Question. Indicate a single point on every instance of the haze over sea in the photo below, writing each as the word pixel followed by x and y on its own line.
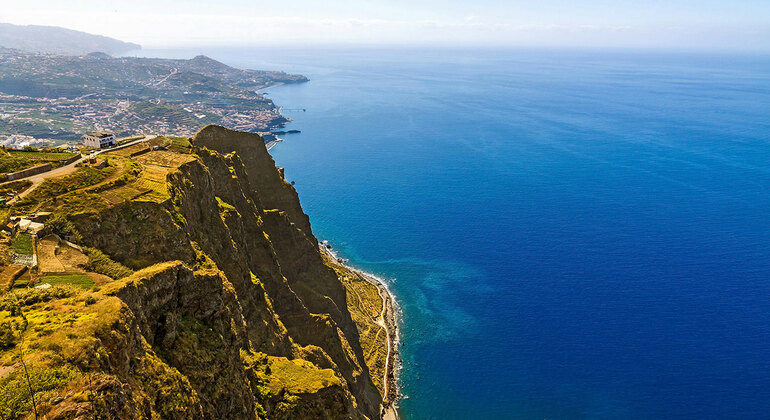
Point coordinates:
pixel 571 234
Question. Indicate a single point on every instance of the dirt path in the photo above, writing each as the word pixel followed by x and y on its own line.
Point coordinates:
pixel 386 320
pixel 66 170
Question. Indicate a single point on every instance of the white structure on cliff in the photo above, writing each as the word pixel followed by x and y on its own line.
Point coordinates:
pixel 99 139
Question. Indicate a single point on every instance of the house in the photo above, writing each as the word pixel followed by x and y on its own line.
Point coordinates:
pixel 24 225
pixel 28 226
pixel 11 228
pixel 99 139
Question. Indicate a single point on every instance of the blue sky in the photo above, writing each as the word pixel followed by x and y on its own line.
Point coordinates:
pixel 676 24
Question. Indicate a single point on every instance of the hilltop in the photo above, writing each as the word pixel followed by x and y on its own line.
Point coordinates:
pixel 56 40
pixel 182 280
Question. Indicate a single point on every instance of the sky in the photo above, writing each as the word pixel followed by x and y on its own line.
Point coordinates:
pixel 655 24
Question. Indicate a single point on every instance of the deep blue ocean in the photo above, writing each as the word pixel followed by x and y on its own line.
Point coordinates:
pixel 570 234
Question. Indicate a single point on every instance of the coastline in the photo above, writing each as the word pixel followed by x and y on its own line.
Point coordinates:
pixel 272 143
pixel 388 319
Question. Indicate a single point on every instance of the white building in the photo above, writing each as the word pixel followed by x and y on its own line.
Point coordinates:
pixel 99 139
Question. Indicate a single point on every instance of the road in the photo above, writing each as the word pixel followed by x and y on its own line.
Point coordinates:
pixel 173 72
pixel 66 170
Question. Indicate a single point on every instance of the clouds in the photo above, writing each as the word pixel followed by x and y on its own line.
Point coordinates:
pixel 595 23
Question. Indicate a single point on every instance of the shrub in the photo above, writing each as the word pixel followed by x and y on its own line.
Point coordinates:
pixel 98 262
pixel 25 297
pixel 7 336
pixel 60 225
pixel 15 398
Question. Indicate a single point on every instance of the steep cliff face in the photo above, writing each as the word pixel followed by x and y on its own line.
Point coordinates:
pixel 195 324
pixel 233 312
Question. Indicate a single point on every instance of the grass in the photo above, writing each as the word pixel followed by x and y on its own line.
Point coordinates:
pixel 12 161
pixel 60 331
pixel 15 187
pixel 60 321
pixel 167 159
pixel 130 173
pixel 152 183
pixel 128 140
pixel 45 156
pixel 22 282
pixel 52 188
pixel 224 206
pixel 80 280
pixel 179 144
pixel 15 401
pixel 297 376
pixel 23 244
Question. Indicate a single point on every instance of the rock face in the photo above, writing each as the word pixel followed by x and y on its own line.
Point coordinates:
pixel 232 298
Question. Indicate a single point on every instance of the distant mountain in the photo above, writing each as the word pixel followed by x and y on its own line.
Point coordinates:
pixel 55 40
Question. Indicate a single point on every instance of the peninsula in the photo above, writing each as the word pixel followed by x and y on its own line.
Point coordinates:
pixel 49 100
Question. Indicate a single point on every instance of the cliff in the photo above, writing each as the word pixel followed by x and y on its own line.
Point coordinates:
pixel 218 303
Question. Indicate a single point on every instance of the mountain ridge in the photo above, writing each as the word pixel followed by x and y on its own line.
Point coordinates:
pixel 58 40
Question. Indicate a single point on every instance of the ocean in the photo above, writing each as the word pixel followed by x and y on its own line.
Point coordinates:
pixel 569 234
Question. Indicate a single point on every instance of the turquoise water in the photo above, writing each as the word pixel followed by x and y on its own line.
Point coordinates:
pixel 569 234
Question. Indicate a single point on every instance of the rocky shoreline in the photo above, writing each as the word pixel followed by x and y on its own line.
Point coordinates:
pixel 389 320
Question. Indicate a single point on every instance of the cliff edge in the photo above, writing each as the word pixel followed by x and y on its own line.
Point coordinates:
pixel 208 296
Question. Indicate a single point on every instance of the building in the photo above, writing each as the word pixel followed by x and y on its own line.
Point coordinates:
pixel 99 139
pixel 11 228
pixel 28 226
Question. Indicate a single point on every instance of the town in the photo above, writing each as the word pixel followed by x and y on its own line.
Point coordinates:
pixel 48 100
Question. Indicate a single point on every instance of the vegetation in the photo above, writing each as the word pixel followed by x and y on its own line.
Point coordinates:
pixel 16 160
pixel 26 297
pixel 60 225
pixel 224 206
pixel 7 335
pixel 100 263
pixel 174 396
pixel 176 337
pixel 297 376
pixel 129 139
pixel 365 304
pixel 131 171
pixel 80 280
pixel 22 281
pixel 52 188
pixel 179 144
pixel 14 187
pixel 52 332
pixel 48 156
pixel 15 395
pixel 23 244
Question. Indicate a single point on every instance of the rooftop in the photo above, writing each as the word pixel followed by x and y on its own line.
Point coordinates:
pixel 100 134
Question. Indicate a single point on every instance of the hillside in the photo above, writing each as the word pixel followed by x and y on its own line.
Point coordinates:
pixel 192 287
pixel 56 40
pixel 61 97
